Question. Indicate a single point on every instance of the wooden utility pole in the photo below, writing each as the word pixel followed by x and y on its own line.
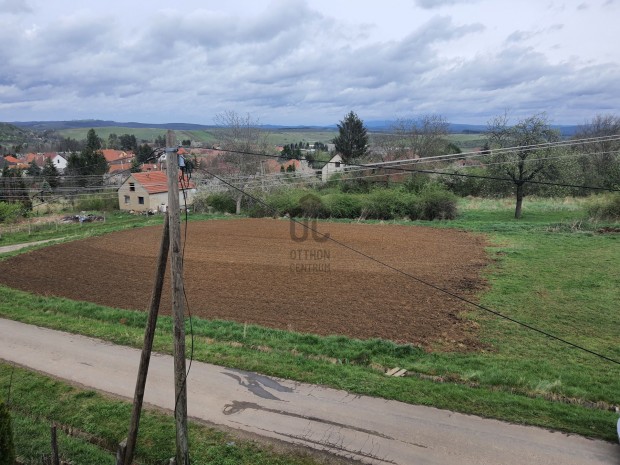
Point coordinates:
pixel 55 456
pixel 125 457
pixel 178 302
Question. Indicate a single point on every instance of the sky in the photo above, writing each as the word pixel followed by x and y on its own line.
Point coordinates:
pixel 308 62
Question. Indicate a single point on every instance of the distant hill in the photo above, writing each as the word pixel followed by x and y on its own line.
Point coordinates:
pixel 374 125
pixel 10 133
pixel 97 123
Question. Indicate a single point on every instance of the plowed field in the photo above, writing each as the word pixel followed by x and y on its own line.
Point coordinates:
pixel 251 270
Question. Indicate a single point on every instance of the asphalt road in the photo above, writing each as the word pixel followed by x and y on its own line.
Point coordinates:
pixel 371 430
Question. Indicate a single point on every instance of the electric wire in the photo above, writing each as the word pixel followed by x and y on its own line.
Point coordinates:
pixel 279 179
pixel 426 283
pixel 464 175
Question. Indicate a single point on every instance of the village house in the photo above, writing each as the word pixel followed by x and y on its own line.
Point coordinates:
pixel 15 163
pixel 148 191
pixel 39 159
pixel 333 166
pixel 117 160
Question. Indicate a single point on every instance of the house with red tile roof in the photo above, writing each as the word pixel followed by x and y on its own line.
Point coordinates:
pixel 117 157
pixel 39 159
pixel 13 162
pixel 149 192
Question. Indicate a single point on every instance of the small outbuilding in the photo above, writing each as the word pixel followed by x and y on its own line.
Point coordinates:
pixel 333 166
pixel 145 192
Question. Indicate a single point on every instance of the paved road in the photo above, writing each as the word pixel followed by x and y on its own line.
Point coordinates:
pixel 371 430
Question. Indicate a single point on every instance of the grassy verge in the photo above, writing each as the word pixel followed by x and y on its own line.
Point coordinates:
pixel 96 424
pixel 115 221
pixel 552 270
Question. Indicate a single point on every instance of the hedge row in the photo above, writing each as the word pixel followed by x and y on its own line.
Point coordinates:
pixel 382 204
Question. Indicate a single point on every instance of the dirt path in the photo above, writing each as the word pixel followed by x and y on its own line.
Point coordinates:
pixel 371 430
pixel 253 271
pixel 14 247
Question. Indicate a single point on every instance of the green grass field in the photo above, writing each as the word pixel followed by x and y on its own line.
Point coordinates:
pixel 274 136
pixel 552 270
pixel 90 426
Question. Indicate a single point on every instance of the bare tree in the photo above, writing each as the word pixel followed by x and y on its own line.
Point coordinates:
pixel 516 151
pixel 387 146
pixel 424 136
pixel 242 137
pixel 600 160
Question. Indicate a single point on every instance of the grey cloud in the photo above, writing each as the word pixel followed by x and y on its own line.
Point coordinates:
pixel 14 7
pixel 437 29
pixel 521 78
pixel 520 36
pixel 433 4
pixel 289 60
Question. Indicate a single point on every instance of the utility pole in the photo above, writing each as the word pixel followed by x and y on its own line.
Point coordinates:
pixel 126 451
pixel 178 302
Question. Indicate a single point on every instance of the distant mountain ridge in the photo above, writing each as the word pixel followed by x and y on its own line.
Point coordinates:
pixel 376 125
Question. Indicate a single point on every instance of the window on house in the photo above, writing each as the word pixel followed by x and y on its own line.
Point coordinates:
pixel 126 199
pixel 141 200
pixel 337 164
pixel 132 186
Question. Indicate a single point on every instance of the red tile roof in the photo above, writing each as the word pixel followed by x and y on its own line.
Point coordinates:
pixel 119 167
pixel 12 160
pixel 39 158
pixel 112 156
pixel 156 182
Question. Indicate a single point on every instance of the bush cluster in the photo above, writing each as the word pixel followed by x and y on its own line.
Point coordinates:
pixel 10 211
pixel 218 202
pixel 96 203
pixel 431 203
pixel 605 207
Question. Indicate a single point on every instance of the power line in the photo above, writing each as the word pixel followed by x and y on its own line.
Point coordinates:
pixel 424 282
pixel 426 171
pixel 280 179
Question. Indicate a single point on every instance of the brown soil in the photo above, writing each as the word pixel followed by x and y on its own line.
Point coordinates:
pixel 250 270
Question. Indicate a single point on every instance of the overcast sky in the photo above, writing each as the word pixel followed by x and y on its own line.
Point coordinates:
pixel 308 61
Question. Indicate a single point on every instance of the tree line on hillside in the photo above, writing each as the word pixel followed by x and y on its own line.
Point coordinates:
pixel 519 158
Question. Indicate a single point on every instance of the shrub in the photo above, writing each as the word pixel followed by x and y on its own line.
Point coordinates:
pixel 200 204
pixel 355 185
pixel 464 186
pixel 436 204
pixel 311 206
pixel 10 211
pixel 7 448
pixel 96 203
pixel 343 205
pixel 416 182
pixel 259 211
pixel 605 207
pixel 286 202
pixel 382 204
pixel 221 202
